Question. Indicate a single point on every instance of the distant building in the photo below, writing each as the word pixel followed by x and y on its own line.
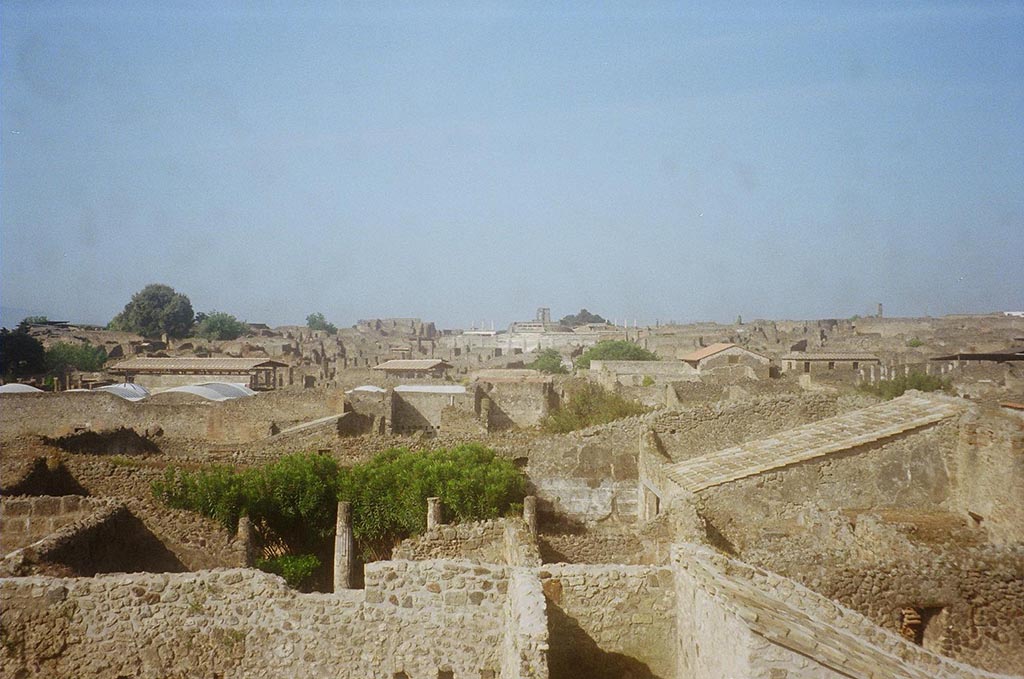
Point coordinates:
pixel 256 373
pixel 724 354
pixel 1004 356
pixel 802 362
pixel 412 368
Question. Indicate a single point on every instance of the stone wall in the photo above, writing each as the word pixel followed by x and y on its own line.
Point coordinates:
pixel 498 541
pixel 421 411
pixel 988 473
pixel 518 404
pixel 237 420
pixel 633 373
pixel 610 621
pixel 107 540
pixel 24 520
pixel 735 620
pixel 426 619
pixel 906 471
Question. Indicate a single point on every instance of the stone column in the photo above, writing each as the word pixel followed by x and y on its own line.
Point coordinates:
pixel 530 512
pixel 344 548
pixel 433 512
pixel 244 534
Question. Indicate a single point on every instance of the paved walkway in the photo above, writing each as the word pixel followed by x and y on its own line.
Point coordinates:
pixel 817 439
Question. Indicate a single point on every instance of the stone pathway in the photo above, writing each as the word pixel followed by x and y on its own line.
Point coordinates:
pixel 817 439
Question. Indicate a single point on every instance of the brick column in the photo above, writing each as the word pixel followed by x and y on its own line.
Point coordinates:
pixel 433 512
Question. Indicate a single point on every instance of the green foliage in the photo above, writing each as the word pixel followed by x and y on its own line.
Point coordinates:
pixel 317 321
pixel 155 310
pixel 297 570
pixel 889 389
pixel 914 342
pixel 63 357
pixel 218 325
pixel 590 404
pixel 389 493
pixel 648 381
pixel 615 350
pixel 33 320
pixel 582 318
pixel 548 361
pixel 20 354
pixel 292 502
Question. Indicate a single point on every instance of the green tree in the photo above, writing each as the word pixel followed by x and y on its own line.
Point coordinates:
pixel 63 357
pixel 154 310
pixel 589 404
pixel 21 354
pixel 582 318
pixel 548 361
pixel 890 389
pixel 218 325
pixel 615 350
pixel 316 321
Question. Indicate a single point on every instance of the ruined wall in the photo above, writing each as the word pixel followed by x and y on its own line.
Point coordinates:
pixel 242 419
pixel 988 473
pixel 108 540
pixel 713 426
pixel 24 520
pixel 905 471
pixel 497 541
pixel 421 411
pixel 632 373
pixel 610 621
pixel 518 404
pixel 244 623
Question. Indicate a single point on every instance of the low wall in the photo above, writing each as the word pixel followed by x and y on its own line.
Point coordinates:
pixel 426 619
pixel 610 621
pixel 498 541
pixel 24 520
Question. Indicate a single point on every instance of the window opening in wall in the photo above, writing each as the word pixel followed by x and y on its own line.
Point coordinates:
pixel 400 675
pixel 924 625
pixel 733 359
pixel 855 365
pixel 445 674
pixel 831 365
pixel 807 366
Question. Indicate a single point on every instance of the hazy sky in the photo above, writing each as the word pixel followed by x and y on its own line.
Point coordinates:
pixel 464 162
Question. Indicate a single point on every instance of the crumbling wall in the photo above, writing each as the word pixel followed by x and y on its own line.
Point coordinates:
pixel 26 519
pixel 610 621
pixel 906 471
pixel 421 618
pixel 518 404
pixel 413 412
pixel 988 473
pixel 477 542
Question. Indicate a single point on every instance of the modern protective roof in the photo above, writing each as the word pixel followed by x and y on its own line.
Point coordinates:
pixel 431 389
pixel 194 365
pixel 413 364
pixel 213 391
pixel 369 388
pixel 1016 354
pixel 16 388
pixel 128 391
pixel 704 352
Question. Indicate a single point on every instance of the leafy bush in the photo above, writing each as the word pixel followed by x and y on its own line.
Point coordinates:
pixel 615 350
pixel 890 389
pixel 589 404
pixel 389 493
pixel 914 342
pixel 218 325
pixel 62 357
pixel 318 322
pixel 292 503
pixel 548 361
pixel 154 310
pixel 648 381
pixel 297 570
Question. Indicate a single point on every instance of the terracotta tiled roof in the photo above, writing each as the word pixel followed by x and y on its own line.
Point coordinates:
pixel 413 364
pixel 704 352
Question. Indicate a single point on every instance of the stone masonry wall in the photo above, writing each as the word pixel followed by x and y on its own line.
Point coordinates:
pixel 906 471
pixel 421 618
pixel 24 520
pixel 518 404
pixel 610 621
pixel 498 541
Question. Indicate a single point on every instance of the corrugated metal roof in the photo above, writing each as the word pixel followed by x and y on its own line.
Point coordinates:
pixel 198 364
pixel 829 356
pixel 704 352
pixel 412 364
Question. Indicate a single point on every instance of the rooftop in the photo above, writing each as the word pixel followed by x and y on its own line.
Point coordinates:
pixel 829 356
pixel 210 365
pixel 413 364
pixel 704 352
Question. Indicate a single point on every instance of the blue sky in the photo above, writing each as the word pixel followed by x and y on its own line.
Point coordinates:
pixel 466 162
